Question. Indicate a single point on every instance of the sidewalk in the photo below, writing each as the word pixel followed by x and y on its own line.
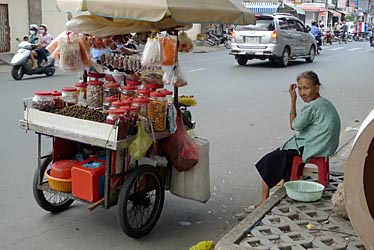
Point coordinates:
pixel 282 223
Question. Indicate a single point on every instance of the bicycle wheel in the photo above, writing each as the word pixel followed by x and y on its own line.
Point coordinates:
pixel 140 201
pixel 49 201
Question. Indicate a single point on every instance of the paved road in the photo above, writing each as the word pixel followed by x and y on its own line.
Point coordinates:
pixel 242 110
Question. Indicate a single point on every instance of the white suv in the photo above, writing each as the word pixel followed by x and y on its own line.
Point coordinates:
pixel 278 37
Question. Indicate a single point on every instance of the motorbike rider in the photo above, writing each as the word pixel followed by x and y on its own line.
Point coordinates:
pixel 344 30
pixel 45 41
pixel 34 39
pixel 316 32
pixel 329 33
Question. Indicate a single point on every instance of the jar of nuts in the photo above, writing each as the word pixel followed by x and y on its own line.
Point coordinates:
pixel 43 101
pixel 95 94
pixel 142 104
pixel 69 95
pixel 157 110
pixel 112 89
pixel 58 102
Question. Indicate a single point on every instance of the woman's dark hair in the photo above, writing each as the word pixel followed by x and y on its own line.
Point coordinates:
pixel 309 75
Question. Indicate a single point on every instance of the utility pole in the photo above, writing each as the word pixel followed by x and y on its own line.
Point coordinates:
pixel 35 11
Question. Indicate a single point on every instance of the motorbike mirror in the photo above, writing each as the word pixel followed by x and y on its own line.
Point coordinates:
pixel 17 39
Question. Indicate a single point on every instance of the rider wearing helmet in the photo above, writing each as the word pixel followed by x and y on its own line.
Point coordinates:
pixel 35 40
pixel 45 41
pixel 316 32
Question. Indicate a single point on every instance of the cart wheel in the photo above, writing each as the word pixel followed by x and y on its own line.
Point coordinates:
pixel 140 201
pixel 49 201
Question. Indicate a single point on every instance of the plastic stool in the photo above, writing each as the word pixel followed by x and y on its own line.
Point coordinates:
pixel 321 162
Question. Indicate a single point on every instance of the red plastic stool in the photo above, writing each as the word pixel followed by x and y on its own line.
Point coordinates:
pixel 321 162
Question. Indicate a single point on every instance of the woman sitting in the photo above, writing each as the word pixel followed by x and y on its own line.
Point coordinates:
pixel 318 127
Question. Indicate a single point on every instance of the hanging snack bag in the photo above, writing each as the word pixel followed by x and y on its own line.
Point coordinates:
pixel 168 50
pixel 70 54
pixel 151 52
pixel 184 43
pixel 84 47
pixel 177 78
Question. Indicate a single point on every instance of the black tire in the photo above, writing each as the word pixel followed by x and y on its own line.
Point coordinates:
pixel 17 72
pixel 242 60
pixel 50 71
pixel 139 210
pixel 350 39
pixel 49 201
pixel 312 54
pixel 284 59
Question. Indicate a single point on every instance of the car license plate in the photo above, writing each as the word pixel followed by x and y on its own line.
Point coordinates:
pixel 251 39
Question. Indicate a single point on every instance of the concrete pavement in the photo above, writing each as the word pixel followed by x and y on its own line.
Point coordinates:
pixel 282 223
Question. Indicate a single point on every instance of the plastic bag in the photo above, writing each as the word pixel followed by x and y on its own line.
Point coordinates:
pixel 203 245
pixel 185 43
pixel 70 54
pixel 178 79
pixel 168 50
pixel 180 149
pixel 139 146
pixel 151 52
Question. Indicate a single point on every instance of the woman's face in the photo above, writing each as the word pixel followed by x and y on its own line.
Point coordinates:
pixel 307 90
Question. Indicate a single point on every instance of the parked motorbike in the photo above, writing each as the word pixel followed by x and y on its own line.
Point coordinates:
pixel 340 36
pixel 21 62
pixel 361 36
pixel 215 39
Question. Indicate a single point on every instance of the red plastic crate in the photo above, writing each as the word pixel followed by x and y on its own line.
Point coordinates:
pixel 88 179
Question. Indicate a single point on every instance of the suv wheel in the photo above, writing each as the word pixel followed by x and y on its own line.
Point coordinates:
pixel 312 54
pixel 283 61
pixel 242 60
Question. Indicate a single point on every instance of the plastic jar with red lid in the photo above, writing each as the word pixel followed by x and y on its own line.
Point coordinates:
pixel 112 89
pixel 108 102
pixel 141 103
pixel 116 116
pixel 95 94
pixel 143 92
pixel 168 94
pixel 81 93
pixel 43 101
pixel 121 104
pixel 109 79
pixel 157 110
pixel 58 102
pixel 95 76
pixel 128 92
pixel 130 117
pixel 153 87
pixel 69 95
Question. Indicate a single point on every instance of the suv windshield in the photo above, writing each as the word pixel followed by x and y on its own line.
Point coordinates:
pixel 261 24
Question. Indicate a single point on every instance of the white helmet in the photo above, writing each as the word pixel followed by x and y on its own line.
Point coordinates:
pixel 44 25
pixel 34 27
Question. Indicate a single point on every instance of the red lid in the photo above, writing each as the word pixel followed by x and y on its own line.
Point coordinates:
pixel 56 93
pixel 95 83
pixel 157 94
pixel 166 92
pixel 141 100
pixel 110 78
pixel 62 169
pixel 69 89
pixel 129 87
pixel 121 103
pixel 132 82
pixel 41 92
pixel 81 85
pixel 145 92
pixel 111 99
pixel 112 85
pixel 153 86
pixel 95 74
pixel 129 108
pixel 116 111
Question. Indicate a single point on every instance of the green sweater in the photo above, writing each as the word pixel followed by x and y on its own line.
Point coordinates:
pixel 318 127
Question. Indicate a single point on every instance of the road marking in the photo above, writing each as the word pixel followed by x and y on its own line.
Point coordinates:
pixel 354 49
pixel 194 70
pixel 337 48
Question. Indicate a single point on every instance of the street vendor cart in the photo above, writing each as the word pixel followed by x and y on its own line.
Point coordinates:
pixel 110 176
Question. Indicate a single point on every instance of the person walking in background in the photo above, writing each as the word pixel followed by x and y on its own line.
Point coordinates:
pixel 318 130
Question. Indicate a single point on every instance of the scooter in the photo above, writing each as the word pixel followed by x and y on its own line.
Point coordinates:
pixel 21 62
pixel 214 39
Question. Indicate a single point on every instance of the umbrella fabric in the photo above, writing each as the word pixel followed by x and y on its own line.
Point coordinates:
pixel 181 11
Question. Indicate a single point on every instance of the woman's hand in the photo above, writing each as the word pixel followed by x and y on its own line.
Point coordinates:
pixel 292 90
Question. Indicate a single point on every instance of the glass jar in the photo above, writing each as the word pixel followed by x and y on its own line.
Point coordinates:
pixel 112 89
pixel 43 101
pixel 120 104
pixel 58 102
pixel 69 95
pixel 143 92
pixel 169 95
pixel 95 94
pixel 141 103
pixel 116 117
pixel 157 110
pixel 130 117
pixel 81 93
pixel 128 92
pixel 108 102
pixel 95 76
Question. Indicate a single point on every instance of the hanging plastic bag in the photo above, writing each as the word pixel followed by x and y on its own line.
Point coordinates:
pixel 178 79
pixel 70 54
pixel 139 146
pixel 169 50
pixel 151 52
pixel 180 149
pixel 184 43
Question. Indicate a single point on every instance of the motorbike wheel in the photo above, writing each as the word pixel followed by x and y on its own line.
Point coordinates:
pixel 227 44
pixel 17 72
pixel 50 71
pixel 350 39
